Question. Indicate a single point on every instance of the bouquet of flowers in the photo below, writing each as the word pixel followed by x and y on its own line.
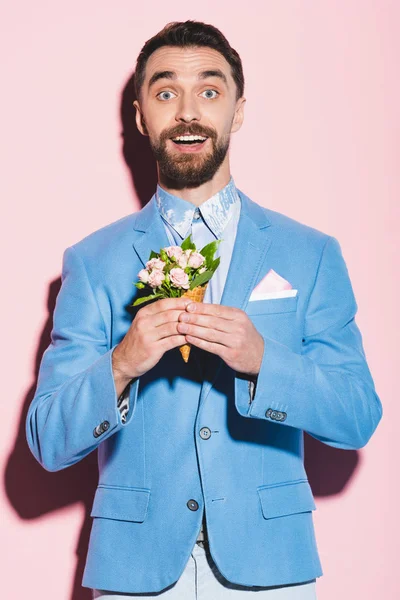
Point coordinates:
pixel 179 271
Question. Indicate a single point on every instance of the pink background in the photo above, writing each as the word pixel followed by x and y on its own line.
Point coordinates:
pixel 320 139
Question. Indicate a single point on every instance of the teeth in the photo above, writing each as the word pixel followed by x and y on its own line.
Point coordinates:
pixel 189 138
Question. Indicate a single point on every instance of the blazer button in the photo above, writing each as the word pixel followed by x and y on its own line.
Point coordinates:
pixel 97 431
pixel 205 433
pixel 192 504
pixel 268 412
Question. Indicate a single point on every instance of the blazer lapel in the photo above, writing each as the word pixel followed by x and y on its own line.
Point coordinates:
pixel 251 246
pixel 153 236
pixel 246 270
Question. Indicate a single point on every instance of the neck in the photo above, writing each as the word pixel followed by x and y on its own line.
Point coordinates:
pixel 201 193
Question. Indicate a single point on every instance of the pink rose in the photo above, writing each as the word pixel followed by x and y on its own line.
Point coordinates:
pixel 143 275
pixel 173 251
pixel 196 260
pixel 179 278
pixel 155 263
pixel 156 278
pixel 183 261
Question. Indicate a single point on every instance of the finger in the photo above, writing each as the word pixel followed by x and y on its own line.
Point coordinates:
pixel 217 310
pixel 165 304
pixel 213 322
pixel 171 342
pixel 164 330
pixel 218 349
pixel 206 333
pixel 166 316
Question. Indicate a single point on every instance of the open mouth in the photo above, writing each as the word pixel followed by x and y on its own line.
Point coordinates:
pixel 189 140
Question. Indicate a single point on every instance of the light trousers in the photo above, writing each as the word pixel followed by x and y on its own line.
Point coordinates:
pixel 201 580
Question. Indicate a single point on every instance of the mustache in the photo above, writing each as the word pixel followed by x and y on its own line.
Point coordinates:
pixel 193 129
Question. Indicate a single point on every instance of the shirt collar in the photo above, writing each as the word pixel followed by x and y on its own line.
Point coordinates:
pixel 216 211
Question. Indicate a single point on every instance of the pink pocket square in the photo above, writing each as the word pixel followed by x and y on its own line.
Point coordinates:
pixel 272 282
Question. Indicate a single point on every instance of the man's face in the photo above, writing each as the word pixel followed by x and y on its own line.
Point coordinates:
pixel 188 91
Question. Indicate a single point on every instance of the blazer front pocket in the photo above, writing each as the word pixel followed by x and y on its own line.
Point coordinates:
pixel 272 305
pixel 120 503
pixel 287 498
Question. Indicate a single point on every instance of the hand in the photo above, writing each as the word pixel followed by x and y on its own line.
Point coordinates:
pixel 225 331
pixel 153 331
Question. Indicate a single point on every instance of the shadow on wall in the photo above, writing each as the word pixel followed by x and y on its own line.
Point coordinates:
pixel 33 491
pixel 136 148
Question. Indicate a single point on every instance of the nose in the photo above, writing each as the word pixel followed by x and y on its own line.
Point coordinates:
pixel 187 109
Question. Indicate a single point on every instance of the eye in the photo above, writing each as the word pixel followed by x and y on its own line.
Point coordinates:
pixel 164 92
pixel 212 92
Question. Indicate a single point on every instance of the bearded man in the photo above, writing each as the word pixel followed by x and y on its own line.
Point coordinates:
pixel 202 489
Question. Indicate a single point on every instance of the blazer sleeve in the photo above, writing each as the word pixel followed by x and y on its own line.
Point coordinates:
pixel 75 406
pixel 327 389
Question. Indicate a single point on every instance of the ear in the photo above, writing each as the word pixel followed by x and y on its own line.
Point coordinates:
pixel 140 123
pixel 239 115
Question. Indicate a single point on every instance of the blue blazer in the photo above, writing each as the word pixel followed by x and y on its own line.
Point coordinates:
pixel 248 475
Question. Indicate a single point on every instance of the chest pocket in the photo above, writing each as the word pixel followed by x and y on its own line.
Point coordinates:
pixel 272 305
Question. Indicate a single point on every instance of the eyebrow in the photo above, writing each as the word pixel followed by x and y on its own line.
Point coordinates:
pixel 172 75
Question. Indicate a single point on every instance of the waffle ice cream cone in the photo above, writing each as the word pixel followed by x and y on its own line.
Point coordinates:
pixel 196 295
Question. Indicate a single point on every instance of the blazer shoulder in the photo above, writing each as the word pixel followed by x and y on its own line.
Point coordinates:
pixel 284 222
pixel 107 238
pixel 287 226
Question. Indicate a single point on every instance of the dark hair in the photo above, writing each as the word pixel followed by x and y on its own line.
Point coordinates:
pixel 188 34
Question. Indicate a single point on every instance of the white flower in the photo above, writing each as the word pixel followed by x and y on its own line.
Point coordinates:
pixel 143 275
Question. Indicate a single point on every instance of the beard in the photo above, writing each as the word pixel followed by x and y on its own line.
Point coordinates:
pixel 189 170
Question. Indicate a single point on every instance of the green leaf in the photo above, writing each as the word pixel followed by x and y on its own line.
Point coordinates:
pixel 215 264
pixel 147 298
pixel 140 285
pixel 201 279
pixel 208 252
pixel 153 255
pixel 210 248
pixel 188 243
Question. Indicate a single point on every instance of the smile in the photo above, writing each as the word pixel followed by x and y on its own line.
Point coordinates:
pixel 189 139
pixel 189 143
